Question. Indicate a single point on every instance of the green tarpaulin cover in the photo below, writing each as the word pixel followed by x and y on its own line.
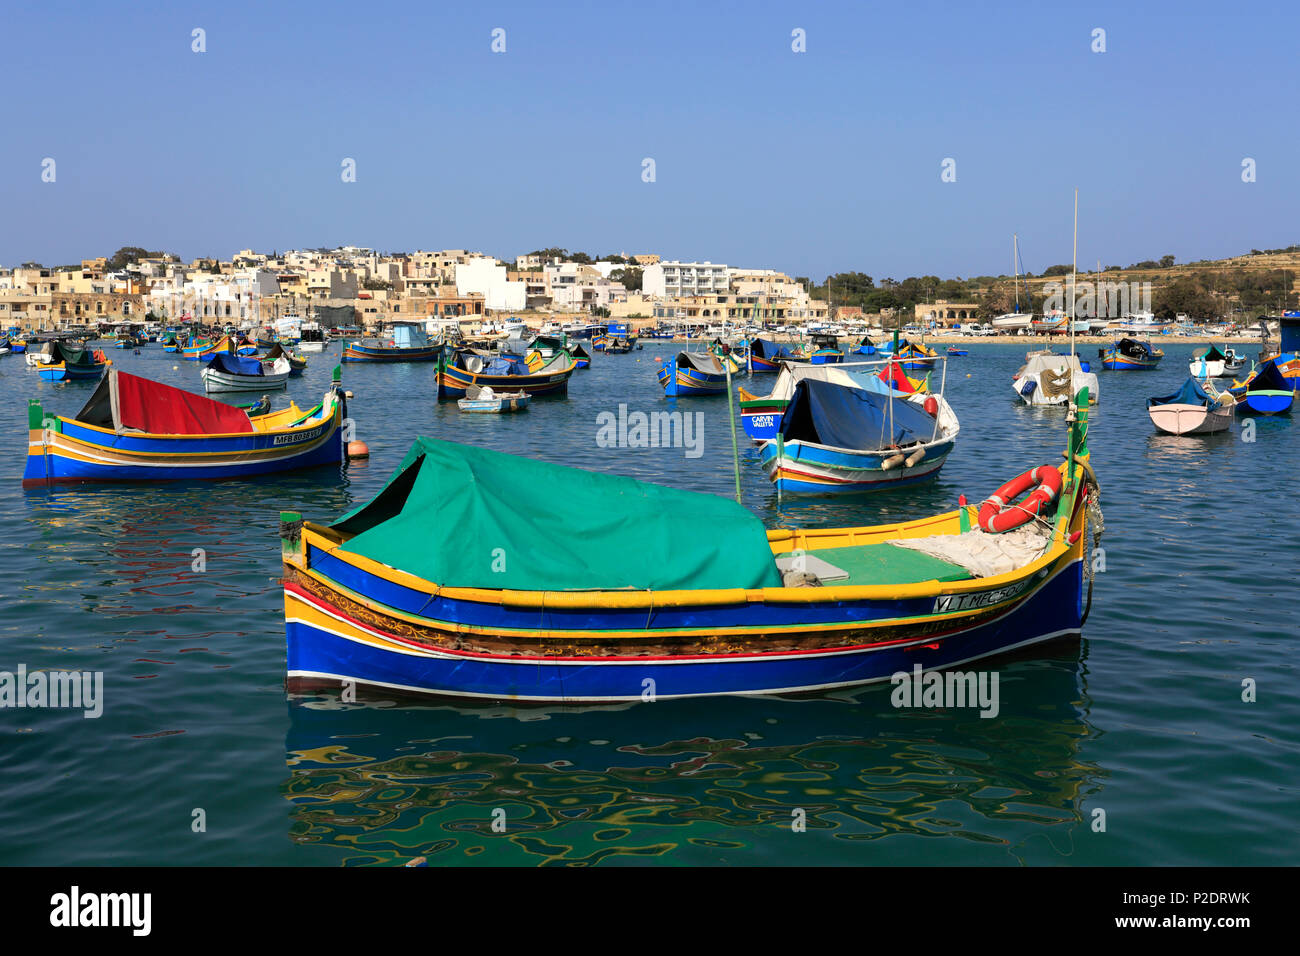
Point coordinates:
pixel 462 516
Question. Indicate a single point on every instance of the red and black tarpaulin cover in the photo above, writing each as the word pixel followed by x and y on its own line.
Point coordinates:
pixel 125 402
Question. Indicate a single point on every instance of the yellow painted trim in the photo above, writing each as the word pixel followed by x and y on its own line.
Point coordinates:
pixel 781 541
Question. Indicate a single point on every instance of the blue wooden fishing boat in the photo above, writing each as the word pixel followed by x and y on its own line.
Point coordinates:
pixel 135 429
pixel 468 367
pixel 954 350
pixel 1130 355
pixel 69 362
pixel 581 357
pixel 825 350
pixel 408 343
pixel 865 347
pixel 915 356
pixel 760 415
pixel 837 439
pixel 693 373
pixel 390 596
pixel 1266 392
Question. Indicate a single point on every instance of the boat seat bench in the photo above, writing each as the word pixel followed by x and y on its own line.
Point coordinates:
pixel 881 564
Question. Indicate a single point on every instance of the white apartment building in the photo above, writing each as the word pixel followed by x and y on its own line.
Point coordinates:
pixel 675 279
pixel 486 277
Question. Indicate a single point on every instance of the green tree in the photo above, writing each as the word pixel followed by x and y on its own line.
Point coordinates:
pixel 630 277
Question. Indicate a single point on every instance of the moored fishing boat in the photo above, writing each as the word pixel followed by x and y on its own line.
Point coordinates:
pixel 1213 363
pixel 1130 355
pixel 135 429
pixel 865 347
pixel 1047 379
pixel 825 350
pixel 486 400
pixel 1190 411
pixel 204 349
pixel 297 364
pixel 312 338
pixel 388 596
pixel 760 415
pixel 581 357
pixel 60 362
pixel 408 343
pixel 693 373
pixel 1044 324
pixel 767 356
pixel 955 350
pixel 836 439
pixel 469 367
pixel 1265 392
pixel 238 373
pixel 915 356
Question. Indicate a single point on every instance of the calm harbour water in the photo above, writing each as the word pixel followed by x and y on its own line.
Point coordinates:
pixel 1142 719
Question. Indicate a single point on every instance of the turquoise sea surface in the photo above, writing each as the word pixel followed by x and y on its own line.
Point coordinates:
pixel 1132 746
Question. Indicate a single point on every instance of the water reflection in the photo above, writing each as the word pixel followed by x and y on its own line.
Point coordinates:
pixel 691 781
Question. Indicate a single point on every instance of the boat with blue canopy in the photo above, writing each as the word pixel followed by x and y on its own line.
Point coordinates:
pixel 767 356
pixel 1191 411
pixel 394 595
pixel 760 415
pixel 226 372
pixel 837 439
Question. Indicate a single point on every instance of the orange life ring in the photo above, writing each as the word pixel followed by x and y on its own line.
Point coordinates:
pixel 998 513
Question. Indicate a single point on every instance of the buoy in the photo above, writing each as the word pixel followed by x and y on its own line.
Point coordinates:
pixel 915 457
pixel 658 359
pixel 348 393
pixel 968 374
pixel 175 367
pixel 931 406
pixel 358 449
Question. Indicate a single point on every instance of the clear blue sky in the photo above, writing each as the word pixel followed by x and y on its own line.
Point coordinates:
pixel 809 163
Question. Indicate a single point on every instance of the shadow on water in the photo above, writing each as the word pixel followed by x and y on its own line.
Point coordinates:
pixel 691 781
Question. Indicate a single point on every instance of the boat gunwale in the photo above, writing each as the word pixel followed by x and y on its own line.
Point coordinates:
pixel 780 540
pixel 304 425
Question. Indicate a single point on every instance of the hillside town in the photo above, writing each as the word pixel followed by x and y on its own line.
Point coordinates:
pixel 356 287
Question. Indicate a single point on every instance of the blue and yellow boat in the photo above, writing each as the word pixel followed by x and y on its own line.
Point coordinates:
pixel 581 357
pixel 445 584
pixel 536 375
pixel 693 373
pixel 1131 355
pixel 915 356
pixel 135 429
pixel 1266 391
pixel 408 343
pixel 72 362
pixel 766 356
